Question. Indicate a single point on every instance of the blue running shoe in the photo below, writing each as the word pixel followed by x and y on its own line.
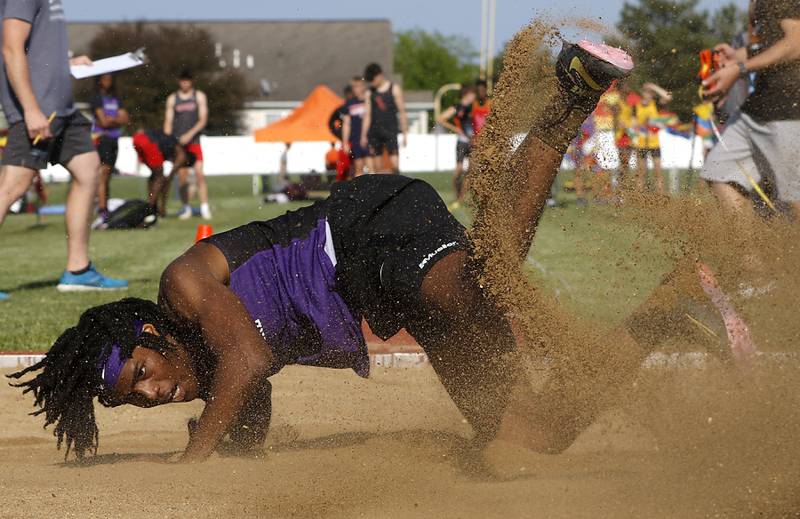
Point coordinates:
pixel 89 280
pixel 4 297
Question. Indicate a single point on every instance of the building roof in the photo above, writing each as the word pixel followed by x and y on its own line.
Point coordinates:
pixel 285 59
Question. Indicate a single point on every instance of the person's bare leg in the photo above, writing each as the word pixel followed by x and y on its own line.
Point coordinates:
pixel 85 171
pixel 155 186
pixel 658 175
pixel 202 185
pixel 536 165
pixel 641 172
pixel 14 181
pixel 394 160
pixel 183 185
pixel 103 187
pixel 457 179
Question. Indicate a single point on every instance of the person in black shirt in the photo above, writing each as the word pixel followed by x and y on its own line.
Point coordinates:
pixel 760 141
pixel 384 105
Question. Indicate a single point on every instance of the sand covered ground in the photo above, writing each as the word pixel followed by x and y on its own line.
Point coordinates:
pixel 394 446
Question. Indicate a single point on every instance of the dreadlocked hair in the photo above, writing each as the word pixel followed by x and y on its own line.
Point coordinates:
pixel 68 378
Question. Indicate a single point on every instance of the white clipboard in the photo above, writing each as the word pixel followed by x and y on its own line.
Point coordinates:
pixel 107 65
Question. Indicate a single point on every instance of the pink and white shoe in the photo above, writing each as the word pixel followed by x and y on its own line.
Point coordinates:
pixel 586 69
pixel 742 348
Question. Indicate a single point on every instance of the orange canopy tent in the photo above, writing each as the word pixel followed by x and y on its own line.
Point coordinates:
pixel 308 122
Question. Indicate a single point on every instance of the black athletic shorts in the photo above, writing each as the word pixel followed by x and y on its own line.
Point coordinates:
pixel 462 151
pixel 72 137
pixel 380 139
pixel 108 149
pixel 388 231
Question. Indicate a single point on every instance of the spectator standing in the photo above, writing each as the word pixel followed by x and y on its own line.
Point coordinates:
pixel 36 94
pixel 110 117
pixel 186 118
pixel 761 139
pixel 385 116
pixel 353 123
pixel 461 116
pixel 647 144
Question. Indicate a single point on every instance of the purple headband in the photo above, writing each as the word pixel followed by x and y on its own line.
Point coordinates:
pixel 111 366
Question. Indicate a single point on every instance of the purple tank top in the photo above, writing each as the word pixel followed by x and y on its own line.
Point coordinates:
pixel 289 291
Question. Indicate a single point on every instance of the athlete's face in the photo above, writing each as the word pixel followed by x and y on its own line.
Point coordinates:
pixel 150 378
pixel 468 98
pixel 359 88
pixel 185 85
pixel 483 93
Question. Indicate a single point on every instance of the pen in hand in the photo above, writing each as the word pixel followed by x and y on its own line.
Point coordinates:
pixel 39 137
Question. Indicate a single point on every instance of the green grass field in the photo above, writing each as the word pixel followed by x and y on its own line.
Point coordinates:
pixel 598 266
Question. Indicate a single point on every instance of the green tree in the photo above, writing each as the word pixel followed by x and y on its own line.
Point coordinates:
pixel 429 60
pixel 728 21
pixel 170 49
pixel 665 37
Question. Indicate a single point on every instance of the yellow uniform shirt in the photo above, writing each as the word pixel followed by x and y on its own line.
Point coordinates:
pixel 647 133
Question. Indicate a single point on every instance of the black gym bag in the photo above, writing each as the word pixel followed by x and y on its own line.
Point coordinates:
pixel 133 214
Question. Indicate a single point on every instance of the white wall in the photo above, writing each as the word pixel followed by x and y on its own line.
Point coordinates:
pixel 432 152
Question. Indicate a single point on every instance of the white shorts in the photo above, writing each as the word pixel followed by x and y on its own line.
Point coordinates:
pixel 766 152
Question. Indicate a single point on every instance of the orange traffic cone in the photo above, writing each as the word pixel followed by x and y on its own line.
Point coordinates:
pixel 203 231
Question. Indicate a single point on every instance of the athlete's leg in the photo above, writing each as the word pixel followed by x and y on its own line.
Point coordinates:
pixel 394 161
pixel 85 171
pixel 103 188
pixel 463 329
pixel 202 186
pixel 14 181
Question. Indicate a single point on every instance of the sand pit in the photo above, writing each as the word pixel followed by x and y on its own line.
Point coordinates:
pixel 393 446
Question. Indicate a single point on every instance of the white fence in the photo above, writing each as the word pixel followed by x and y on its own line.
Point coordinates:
pixel 432 152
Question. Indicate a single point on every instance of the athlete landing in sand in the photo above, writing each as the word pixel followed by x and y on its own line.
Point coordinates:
pixel 237 307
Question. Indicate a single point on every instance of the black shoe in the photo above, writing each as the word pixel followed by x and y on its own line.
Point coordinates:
pixel 586 70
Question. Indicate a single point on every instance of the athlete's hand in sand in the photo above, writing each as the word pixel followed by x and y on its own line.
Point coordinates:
pixel 37 125
pixel 80 60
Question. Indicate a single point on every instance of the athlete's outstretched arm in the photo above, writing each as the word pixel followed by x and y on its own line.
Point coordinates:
pixel 193 289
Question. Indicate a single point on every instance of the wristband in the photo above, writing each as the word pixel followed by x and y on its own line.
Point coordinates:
pixel 743 72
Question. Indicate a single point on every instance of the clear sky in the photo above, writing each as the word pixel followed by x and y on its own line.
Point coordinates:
pixel 460 17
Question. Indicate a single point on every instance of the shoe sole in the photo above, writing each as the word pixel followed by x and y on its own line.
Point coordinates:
pixel 86 288
pixel 612 55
